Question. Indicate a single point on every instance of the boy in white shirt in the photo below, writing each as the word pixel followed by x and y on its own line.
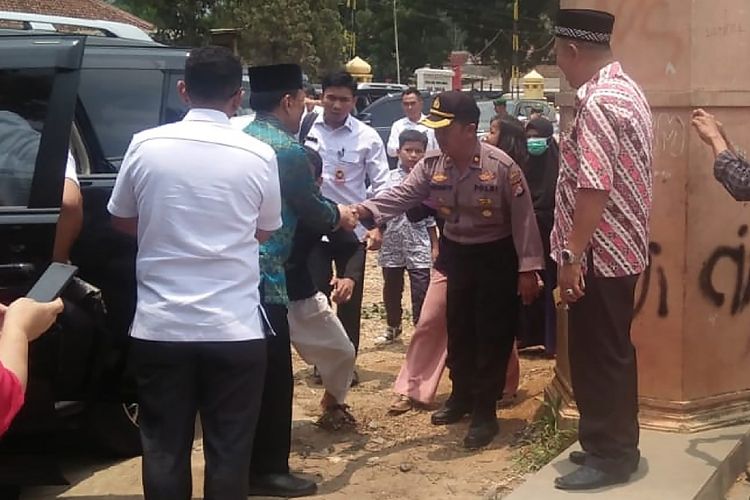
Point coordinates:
pixel 407 246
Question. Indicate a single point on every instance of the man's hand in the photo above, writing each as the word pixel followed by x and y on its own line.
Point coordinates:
pixel 374 239
pixel 30 317
pixel 571 283
pixel 349 218
pixel 528 287
pixel 342 290
pixel 710 130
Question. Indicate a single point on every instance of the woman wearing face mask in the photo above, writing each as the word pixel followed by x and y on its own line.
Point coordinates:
pixel 538 321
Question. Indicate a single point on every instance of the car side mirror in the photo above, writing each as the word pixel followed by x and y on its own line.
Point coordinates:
pixel 365 118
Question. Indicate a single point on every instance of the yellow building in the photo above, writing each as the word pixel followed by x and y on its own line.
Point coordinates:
pixel 360 70
pixel 533 86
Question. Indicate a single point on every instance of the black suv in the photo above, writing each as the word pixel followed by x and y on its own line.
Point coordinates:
pixel 90 94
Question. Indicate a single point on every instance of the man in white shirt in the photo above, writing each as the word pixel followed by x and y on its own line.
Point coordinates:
pixel 413 103
pixel 352 154
pixel 199 195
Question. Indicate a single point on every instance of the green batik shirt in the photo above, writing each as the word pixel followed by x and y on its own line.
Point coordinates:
pixel 300 201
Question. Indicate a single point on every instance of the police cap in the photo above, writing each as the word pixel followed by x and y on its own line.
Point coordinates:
pixel 452 106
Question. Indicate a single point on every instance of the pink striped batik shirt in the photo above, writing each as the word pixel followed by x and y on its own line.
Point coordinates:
pixel 609 148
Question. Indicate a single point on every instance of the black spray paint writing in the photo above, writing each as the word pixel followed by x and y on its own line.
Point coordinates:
pixel 736 255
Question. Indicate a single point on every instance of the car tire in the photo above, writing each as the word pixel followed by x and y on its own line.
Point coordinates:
pixel 114 428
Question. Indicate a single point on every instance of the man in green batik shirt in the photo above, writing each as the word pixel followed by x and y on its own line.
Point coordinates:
pixel 279 101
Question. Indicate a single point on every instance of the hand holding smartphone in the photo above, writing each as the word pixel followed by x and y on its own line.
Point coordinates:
pixel 52 283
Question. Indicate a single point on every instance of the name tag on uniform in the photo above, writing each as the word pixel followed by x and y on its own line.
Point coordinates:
pixel 440 187
pixel 485 188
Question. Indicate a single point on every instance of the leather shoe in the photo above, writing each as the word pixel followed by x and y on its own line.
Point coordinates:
pixel 448 414
pixel 481 435
pixel 588 478
pixel 281 485
pixel 578 457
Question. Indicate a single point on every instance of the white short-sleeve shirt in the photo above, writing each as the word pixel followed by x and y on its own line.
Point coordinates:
pixel 399 126
pixel 200 189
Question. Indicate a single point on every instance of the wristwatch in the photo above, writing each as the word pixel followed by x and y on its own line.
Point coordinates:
pixel 568 257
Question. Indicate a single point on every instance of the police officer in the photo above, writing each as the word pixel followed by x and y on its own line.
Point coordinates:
pixel 491 251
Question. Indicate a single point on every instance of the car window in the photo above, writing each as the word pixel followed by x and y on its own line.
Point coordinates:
pixel 174 107
pixel 120 103
pixel 387 112
pixel 24 103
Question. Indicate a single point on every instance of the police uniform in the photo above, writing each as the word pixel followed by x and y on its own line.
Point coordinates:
pixel 490 235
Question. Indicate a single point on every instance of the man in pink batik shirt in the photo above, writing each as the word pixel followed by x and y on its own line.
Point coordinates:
pixel 600 243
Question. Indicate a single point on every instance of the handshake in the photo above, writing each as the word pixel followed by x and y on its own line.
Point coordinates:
pixel 350 216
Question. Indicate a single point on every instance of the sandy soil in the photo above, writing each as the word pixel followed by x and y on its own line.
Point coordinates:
pixel 384 458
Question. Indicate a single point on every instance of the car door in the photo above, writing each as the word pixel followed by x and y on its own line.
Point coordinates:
pixel 123 90
pixel 39 77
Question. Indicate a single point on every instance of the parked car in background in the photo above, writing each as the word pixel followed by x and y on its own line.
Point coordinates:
pixel 368 93
pixel 381 114
pixel 89 94
pixel 523 108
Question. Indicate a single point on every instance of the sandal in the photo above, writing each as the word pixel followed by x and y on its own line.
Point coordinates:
pixel 401 404
pixel 335 418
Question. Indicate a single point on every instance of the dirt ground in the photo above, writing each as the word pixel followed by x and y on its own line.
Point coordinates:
pixel 384 458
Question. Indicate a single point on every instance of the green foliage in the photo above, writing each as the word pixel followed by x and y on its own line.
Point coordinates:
pixel 307 32
pixel 184 22
pixel 542 440
pixel 489 31
pixel 311 32
pixel 425 37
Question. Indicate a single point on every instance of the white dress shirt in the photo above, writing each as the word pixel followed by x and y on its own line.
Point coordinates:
pixel 200 189
pixel 350 153
pixel 406 124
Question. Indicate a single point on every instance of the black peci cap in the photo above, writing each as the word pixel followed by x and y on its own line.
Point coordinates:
pixel 452 106
pixel 593 26
pixel 275 77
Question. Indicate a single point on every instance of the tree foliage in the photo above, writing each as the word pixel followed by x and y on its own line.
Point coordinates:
pixel 184 22
pixel 311 32
pixel 307 32
pixel 426 36
pixel 489 31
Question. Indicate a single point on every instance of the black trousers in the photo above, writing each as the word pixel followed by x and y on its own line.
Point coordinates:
pixel 393 291
pixel 273 437
pixel 482 308
pixel 221 381
pixel 321 257
pixel 604 372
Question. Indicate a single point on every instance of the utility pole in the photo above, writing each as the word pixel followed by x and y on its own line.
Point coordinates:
pixel 395 31
pixel 515 71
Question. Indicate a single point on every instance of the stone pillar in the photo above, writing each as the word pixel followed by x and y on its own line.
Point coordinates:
pixel 692 329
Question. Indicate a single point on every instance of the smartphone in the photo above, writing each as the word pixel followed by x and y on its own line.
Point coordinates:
pixel 52 283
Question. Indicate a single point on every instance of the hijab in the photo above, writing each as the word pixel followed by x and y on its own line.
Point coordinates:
pixel 541 171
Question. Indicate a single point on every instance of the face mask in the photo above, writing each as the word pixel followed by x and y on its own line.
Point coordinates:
pixel 537 146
